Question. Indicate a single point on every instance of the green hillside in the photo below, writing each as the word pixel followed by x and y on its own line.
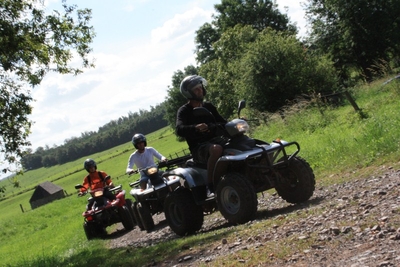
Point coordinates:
pixel 338 142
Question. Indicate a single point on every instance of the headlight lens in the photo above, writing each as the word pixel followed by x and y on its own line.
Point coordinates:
pixel 98 193
pixel 151 170
pixel 242 126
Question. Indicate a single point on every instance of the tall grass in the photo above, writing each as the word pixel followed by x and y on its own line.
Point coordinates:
pixel 337 142
pixel 339 139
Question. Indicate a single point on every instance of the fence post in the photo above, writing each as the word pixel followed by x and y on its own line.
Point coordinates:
pixel 352 101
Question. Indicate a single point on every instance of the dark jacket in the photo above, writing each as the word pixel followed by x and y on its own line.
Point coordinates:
pixel 186 122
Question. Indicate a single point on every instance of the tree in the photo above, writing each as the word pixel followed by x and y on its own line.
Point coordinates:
pixel 266 68
pixel 355 33
pixel 259 14
pixel 33 43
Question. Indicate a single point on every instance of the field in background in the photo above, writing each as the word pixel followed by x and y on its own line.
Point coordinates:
pixel 339 144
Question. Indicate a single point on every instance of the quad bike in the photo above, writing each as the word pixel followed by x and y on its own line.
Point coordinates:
pixel 248 166
pixel 151 200
pixel 102 212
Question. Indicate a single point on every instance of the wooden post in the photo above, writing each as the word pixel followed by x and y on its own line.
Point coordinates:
pixel 352 101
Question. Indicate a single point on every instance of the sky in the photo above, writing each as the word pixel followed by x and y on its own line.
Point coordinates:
pixel 139 44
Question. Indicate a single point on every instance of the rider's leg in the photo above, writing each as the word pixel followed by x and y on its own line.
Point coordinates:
pixel 144 179
pixel 215 152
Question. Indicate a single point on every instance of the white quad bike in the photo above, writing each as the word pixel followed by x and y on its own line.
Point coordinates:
pixel 150 201
pixel 248 166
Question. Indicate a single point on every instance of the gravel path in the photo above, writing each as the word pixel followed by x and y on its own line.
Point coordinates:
pixel 358 225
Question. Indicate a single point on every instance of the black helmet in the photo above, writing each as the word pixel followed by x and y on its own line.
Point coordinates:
pixel 89 163
pixel 189 82
pixel 137 138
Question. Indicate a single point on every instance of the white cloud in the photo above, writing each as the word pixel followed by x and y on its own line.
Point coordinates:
pixel 296 14
pixel 134 75
pixel 181 24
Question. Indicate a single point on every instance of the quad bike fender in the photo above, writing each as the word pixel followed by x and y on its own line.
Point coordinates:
pixel 234 156
pixel 231 154
pixel 172 181
pixel 238 155
pixel 120 199
pixel 188 177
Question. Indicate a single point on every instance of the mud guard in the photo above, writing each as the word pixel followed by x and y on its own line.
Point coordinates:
pixel 190 177
pixel 194 179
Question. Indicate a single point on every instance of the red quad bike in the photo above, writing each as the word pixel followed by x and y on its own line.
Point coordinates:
pixel 151 201
pixel 248 166
pixel 104 212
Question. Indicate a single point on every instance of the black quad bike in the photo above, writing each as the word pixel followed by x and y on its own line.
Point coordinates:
pixel 102 212
pixel 248 166
pixel 151 200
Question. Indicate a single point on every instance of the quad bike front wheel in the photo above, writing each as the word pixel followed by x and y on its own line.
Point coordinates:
pixel 126 218
pixel 136 215
pixel 93 230
pixel 129 205
pixel 183 216
pixel 145 216
pixel 236 198
pixel 296 182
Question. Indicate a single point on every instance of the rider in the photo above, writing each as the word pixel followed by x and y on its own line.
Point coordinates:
pixel 143 157
pixel 94 180
pixel 198 131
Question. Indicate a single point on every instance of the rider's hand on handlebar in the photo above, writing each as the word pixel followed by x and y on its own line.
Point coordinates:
pixel 133 172
pixel 81 193
pixel 202 127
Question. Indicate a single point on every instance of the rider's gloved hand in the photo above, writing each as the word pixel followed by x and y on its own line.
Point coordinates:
pixel 81 193
pixel 211 126
pixel 133 172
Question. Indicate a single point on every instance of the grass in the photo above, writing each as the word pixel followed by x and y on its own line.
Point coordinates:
pixel 339 143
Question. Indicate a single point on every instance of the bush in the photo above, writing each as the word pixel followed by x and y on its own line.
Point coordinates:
pixel 266 68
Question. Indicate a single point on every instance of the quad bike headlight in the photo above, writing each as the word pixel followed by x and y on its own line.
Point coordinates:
pixel 242 126
pixel 152 170
pixel 98 193
pixel 236 127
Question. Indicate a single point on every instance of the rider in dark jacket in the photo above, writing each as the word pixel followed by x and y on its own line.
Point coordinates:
pixel 199 131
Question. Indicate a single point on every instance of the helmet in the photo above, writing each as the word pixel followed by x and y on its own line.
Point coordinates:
pixel 189 82
pixel 89 163
pixel 137 138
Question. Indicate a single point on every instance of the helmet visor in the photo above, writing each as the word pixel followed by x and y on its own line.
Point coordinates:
pixel 196 82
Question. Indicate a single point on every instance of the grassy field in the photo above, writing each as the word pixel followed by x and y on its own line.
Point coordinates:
pixel 339 144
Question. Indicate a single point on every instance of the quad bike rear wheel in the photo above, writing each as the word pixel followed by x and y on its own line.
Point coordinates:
pixel 296 182
pixel 145 216
pixel 236 198
pixel 184 217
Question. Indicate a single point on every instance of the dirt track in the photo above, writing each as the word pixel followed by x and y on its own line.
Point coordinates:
pixel 359 226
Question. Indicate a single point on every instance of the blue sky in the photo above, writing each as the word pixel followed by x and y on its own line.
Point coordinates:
pixel 138 47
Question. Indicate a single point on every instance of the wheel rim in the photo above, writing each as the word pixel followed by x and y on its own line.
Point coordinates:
pixel 230 200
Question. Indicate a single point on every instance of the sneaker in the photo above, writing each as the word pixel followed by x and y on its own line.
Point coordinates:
pixel 209 193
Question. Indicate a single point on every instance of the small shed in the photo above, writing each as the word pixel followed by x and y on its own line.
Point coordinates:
pixel 45 193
